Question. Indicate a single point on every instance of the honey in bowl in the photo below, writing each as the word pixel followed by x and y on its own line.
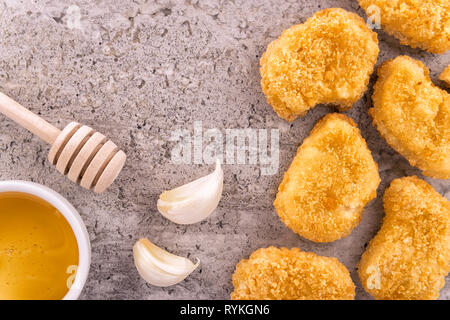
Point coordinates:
pixel 38 249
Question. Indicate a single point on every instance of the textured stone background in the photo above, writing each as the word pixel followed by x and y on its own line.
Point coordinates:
pixel 136 70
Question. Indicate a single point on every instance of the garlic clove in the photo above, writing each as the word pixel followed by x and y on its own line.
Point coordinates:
pixel 159 267
pixel 195 201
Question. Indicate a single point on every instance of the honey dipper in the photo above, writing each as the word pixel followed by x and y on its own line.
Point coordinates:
pixel 85 156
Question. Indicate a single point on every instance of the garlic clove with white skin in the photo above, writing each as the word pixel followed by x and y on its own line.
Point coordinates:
pixel 195 201
pixel 159 267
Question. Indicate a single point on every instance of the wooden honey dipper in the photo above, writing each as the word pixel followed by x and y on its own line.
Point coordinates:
pixel 85 156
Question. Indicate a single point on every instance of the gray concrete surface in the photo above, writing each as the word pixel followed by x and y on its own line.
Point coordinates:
pixel 137 70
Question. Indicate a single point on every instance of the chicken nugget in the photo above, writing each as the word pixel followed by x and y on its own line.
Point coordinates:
pixel 328 59
pixel 283 274
pixel 413 115
pixel 409 257
pixel 421 24
pixel 331 179
pixel 445 76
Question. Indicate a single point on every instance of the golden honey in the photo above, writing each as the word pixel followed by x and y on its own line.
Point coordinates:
pixel 38 249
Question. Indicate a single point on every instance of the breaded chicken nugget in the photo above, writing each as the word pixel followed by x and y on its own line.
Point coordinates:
pixel 445 76
pixel 413 115
pixel 419 23
pixel 283 274
pixel 328 59
pixel 331 179
pixel 410 256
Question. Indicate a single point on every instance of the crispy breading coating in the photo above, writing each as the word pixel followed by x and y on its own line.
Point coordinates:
pixel 445 76
pixel 418 23
pixel 328 59
pixel 413 115
pixel 283 274
pixel 409 258
pixel 331 179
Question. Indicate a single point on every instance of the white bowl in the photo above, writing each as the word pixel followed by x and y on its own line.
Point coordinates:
pixel 75 221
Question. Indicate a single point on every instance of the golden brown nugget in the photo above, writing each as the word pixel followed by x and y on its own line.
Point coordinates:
pixel 328 59
pixel 331 179
pixel 420 23
pixel 413 115
pixel 445 76
pixel 410 256
pixel 283 274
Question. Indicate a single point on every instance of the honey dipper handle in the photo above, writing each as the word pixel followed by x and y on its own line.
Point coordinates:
pixel 28 119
